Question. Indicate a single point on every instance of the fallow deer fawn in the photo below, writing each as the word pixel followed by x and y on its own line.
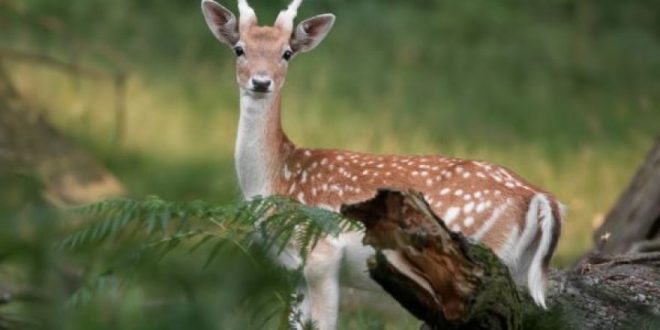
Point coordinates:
pixel 518 221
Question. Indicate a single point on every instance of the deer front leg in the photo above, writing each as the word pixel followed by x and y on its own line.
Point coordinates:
pixel 322 277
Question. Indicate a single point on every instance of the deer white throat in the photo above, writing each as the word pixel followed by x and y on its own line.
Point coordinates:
pixel 253 157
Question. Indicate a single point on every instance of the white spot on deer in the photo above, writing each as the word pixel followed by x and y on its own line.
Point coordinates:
pixel 496 177
pixel 451 214
pixel 507 250
pixel 314 164
pixel 468 221
pixel 354 178
pixel 497 192
pixel 414 173
pixel 304 177
pixel 438 204
pixel 388 173
pixel 327 207
pixel 365 172
pixel 459 169
pixel 435 168
pixel 458 192
pixel 467 197
pixel 292 188
pixel 448 175
pixel 468 207
pixel 308 153
pixel 466 175
pixel 324 187
pixel 477 194
pixel 287 173
pixel 324 161
pixel 481 207
pixel 301 197
pixel 490 222
pixel 484 165
pixel 456 228
pixel 380 165
pixel 486 192
pixel 314 192
pixel 339 157
pixel 429 182
pixel 481 175
pixel 509 185
pixel 506 174
pixel 445 191
pixel 424 173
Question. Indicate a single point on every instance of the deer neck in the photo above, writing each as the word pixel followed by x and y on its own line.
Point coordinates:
pixel 261 145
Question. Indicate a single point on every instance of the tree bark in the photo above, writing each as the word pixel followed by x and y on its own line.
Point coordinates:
pixel 450 282
pixel 31 146
pixel 633 224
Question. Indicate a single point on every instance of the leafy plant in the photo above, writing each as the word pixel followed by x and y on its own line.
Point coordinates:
pixel 161 228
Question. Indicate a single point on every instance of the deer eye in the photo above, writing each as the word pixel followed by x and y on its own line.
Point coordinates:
pixel 287 55
pixel 238 50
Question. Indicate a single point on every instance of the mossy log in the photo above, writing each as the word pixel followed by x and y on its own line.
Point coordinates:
pixel 451 282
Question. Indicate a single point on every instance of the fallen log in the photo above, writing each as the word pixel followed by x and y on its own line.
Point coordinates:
pixel 451 282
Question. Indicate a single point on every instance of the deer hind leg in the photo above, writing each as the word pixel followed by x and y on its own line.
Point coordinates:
pixel 322 278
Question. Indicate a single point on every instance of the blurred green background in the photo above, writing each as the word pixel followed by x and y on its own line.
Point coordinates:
pixel 565 92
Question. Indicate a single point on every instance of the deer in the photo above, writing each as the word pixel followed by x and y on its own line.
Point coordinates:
pixel 518 221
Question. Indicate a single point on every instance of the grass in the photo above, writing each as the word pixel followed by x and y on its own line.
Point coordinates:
pixel 188 152
pixel 520 85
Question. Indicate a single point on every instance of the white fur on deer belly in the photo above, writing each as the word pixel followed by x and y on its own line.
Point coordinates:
pixel 354 271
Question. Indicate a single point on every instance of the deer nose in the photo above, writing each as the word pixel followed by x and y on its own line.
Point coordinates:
pixel 261 84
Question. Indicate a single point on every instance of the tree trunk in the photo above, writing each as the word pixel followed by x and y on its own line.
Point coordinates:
pixel 634 223
pixel 31 146
pixel 450 282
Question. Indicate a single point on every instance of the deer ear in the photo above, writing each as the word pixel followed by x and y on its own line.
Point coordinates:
pixel 221 21
pixel 310 32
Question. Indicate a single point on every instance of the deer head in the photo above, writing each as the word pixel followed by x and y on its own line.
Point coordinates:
pixel 263 52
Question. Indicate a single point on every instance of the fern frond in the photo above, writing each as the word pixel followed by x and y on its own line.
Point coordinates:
pixel 162 227
pixel 281 222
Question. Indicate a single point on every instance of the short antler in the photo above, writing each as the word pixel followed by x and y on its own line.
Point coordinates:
pixel 246 14
pixel 285 18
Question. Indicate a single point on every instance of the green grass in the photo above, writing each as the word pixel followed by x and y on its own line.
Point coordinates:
pixel 572 109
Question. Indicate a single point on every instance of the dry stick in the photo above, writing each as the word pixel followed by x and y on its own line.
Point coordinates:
pixel 47 60
pixel 120 107
pixel 117 77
